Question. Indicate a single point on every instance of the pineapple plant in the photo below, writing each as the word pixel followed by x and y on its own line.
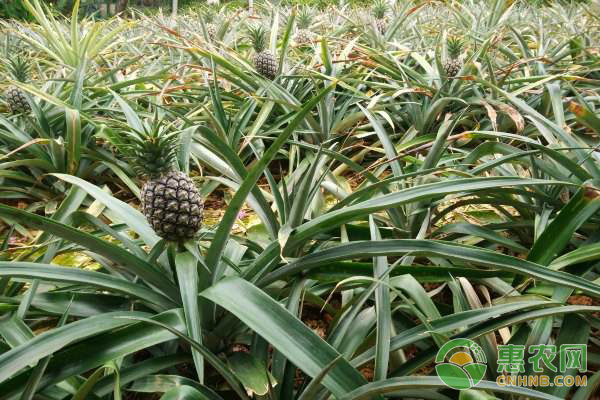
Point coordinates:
pixel 265 62
pixel 380 9
pixel 15 97
pixel 170 200
pixel 304 35
pixel 453 63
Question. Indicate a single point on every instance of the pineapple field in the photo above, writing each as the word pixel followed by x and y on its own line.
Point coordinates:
pixel 315 200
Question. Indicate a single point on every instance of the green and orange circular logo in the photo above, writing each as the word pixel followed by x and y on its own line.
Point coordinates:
pixel 461 364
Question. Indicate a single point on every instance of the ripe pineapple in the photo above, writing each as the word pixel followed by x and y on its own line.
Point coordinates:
pixel 453 64
pixel 16 99
pixel 170 200
pixel 380 9
pixel 304 35
pixel 264 62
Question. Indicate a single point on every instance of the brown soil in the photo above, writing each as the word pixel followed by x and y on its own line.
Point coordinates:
pixel 368 371
pixel 317 321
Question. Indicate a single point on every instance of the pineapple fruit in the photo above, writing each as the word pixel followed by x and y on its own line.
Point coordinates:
pixel 265 63
pixel 15 97
pixel 170 200
pixel 172 205
pixel 304 35
pixel 453 63
pixel 209 21
pixel 380 9
pixel 211 30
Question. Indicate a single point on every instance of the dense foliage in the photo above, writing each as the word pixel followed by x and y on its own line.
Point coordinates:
pixel 375 183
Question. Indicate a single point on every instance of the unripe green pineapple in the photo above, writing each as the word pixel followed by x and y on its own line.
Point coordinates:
pixel 453 64
pixel 304 35
pixel 15 97
pixel 380 9
pixel 265 63
pixel 209 20
pixel 211 30
pixel 170 200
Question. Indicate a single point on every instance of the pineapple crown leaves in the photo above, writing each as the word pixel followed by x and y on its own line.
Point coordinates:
pixel 209 15
pixel 305 17
pixel 18 68
pixel 455 46
pixel 258 37
pixel 379 9
pixel 151 152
